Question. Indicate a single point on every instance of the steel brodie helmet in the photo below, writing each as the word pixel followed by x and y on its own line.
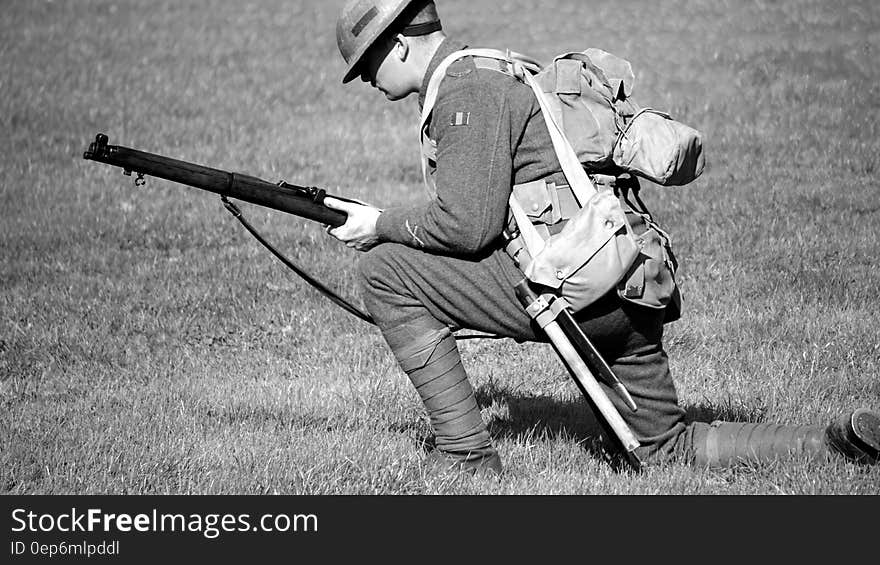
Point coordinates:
pixel 362 22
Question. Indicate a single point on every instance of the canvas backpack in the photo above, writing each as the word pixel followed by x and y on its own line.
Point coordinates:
pixel 589 95
pixel 595 128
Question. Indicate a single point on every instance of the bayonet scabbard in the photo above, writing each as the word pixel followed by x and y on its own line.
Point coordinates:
pixel 569 341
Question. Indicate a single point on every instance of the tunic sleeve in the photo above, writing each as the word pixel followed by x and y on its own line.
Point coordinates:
pixel 471 126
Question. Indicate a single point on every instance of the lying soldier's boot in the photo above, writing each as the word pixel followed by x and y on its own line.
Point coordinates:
pixel 856 436
pixel 485 461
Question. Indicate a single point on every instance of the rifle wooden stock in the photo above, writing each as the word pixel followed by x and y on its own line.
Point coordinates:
pixel 306 202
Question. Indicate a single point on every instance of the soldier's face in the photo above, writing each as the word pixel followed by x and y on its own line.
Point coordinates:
pixel 384 69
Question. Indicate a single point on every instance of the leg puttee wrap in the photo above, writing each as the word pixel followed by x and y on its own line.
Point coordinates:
pixel 429 356
pixel 723 444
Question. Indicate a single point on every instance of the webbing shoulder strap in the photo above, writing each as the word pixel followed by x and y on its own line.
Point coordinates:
pixel 440 71
pixel 523 68
pixel 581 184
pixel 428 150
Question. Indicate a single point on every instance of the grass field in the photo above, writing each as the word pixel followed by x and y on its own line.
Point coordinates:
pixel 149 345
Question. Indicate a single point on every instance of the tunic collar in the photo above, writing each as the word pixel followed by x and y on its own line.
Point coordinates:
pixel 446 48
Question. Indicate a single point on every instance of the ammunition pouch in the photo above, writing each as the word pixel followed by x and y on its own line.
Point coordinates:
pixel 584 252
pixel 651 280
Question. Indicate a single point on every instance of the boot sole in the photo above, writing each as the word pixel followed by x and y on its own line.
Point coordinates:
pixel 865 426
pixel 856 437
pixel 489 464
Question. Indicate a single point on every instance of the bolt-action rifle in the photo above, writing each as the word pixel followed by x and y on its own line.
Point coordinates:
pixel 303 201
pixel 307 202
pixel 577 352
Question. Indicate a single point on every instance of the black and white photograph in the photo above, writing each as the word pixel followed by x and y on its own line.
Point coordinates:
pixel 446 248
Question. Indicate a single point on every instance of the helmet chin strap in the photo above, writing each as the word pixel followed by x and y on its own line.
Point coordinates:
pixel 425 28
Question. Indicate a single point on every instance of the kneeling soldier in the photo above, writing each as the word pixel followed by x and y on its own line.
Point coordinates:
pixel 433 268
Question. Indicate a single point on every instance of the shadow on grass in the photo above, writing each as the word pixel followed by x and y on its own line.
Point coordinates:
pixel 546 417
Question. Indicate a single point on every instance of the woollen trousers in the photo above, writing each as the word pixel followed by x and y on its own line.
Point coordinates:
pixel 403 286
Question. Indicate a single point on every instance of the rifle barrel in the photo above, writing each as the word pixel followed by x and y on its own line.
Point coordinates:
pixel 306 202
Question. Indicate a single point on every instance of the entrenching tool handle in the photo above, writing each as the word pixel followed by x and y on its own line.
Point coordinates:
pixel 591 386
pixel 535 305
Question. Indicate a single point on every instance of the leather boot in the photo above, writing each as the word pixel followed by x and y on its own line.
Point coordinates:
pixel 484 461
pixel 856 436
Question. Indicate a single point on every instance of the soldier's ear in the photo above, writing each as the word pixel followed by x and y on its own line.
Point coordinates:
pixel 401 46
